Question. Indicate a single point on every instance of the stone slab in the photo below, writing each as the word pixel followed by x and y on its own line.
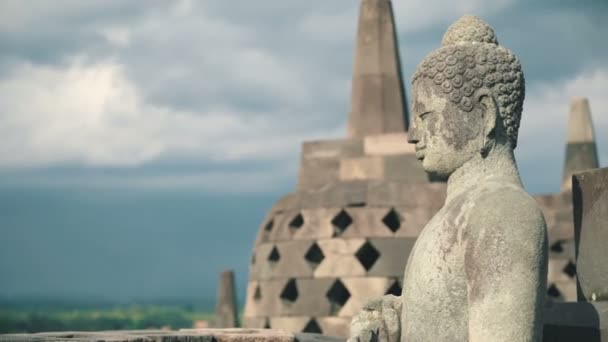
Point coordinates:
pixel 366 222
pixel 568 322
pixel 334 149
pixel 362 168
pixel 590 199
pixel 394 253
pixel 389 194
pixel 315 173
pixel 404 168
pixel 361 290
pixel 186 335
pixel 387 144
pixel 291 262
pixel 334 326
pixel 340 258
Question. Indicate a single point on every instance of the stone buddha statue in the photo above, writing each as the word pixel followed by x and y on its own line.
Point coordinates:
pixel 478 269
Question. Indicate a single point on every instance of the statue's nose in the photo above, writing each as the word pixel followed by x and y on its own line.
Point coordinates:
pixel 413 134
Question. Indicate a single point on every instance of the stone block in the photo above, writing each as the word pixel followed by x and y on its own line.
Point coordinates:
pixel 590 199
pixel 389 194
pixel 294 324
pixel 255 322
pixel 582 321
pixel 560 270
pixel 335 326
pixel 414 220
pixel 184 335
pixel 387 144
pixel 317 172
pixel 394 253
pixel 340 258
pixel 263 298
pixel 362 168
pixel 366 222
pixel 317 224
pixel 361 290
pixel 311 298
pixel 284 259
pixel 285 224
pixel 344 194
pixel 332 149
pixel 404 168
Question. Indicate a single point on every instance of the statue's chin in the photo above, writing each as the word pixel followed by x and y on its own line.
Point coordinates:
pixel 435 169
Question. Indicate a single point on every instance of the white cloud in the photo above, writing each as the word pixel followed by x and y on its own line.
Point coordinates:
pixel 92 114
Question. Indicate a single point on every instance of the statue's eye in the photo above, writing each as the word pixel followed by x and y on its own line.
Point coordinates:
pixel 424 115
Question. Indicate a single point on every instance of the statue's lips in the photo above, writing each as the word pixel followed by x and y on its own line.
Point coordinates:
pixel 420 152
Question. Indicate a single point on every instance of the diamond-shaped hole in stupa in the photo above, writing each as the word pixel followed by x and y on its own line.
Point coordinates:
pixel 570 269
pixel 257 294
pixel 337 295
pixel 367 255
pixel 395 289
pixel 554 292
pixel 274 255
pixel 392 220
pixel 297 222
pixel 557 247
pixel 312 327
pixel 290 291
pixel 341 222
pixel 269 225
pixel 314 255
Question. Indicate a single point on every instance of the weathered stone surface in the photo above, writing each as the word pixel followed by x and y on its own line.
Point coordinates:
pixel 186 335
pixel 378 97
pixel 226 315
pixel 590 197
pixel 387 144
pixel 581 150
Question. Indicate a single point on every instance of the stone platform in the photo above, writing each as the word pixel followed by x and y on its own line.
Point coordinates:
pixel 185 335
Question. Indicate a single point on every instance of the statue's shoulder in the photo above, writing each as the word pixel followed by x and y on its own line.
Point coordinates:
pixel 507 206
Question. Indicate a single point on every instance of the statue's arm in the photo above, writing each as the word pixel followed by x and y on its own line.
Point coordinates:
pixel 379 320
pixel 505 257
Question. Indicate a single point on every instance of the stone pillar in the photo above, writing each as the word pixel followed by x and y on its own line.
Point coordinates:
pixel 378 96
pixel 581 151
pixel 226 314
pixel 590 199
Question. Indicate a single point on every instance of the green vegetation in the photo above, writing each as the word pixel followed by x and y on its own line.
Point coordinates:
pixel 27 318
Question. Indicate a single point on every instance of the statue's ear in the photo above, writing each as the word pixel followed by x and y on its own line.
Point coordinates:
pixel 489 117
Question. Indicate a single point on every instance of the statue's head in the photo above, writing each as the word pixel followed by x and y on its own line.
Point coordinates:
pixel 467 98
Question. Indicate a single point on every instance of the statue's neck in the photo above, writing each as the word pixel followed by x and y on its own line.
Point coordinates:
pixel 498 166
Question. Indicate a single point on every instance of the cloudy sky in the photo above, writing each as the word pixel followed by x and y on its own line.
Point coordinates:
pixel 143 141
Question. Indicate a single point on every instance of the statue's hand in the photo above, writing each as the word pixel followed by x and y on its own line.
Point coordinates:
pixel 379 321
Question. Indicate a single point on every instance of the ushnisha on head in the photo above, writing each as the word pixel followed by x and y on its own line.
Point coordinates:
pixel 468 97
